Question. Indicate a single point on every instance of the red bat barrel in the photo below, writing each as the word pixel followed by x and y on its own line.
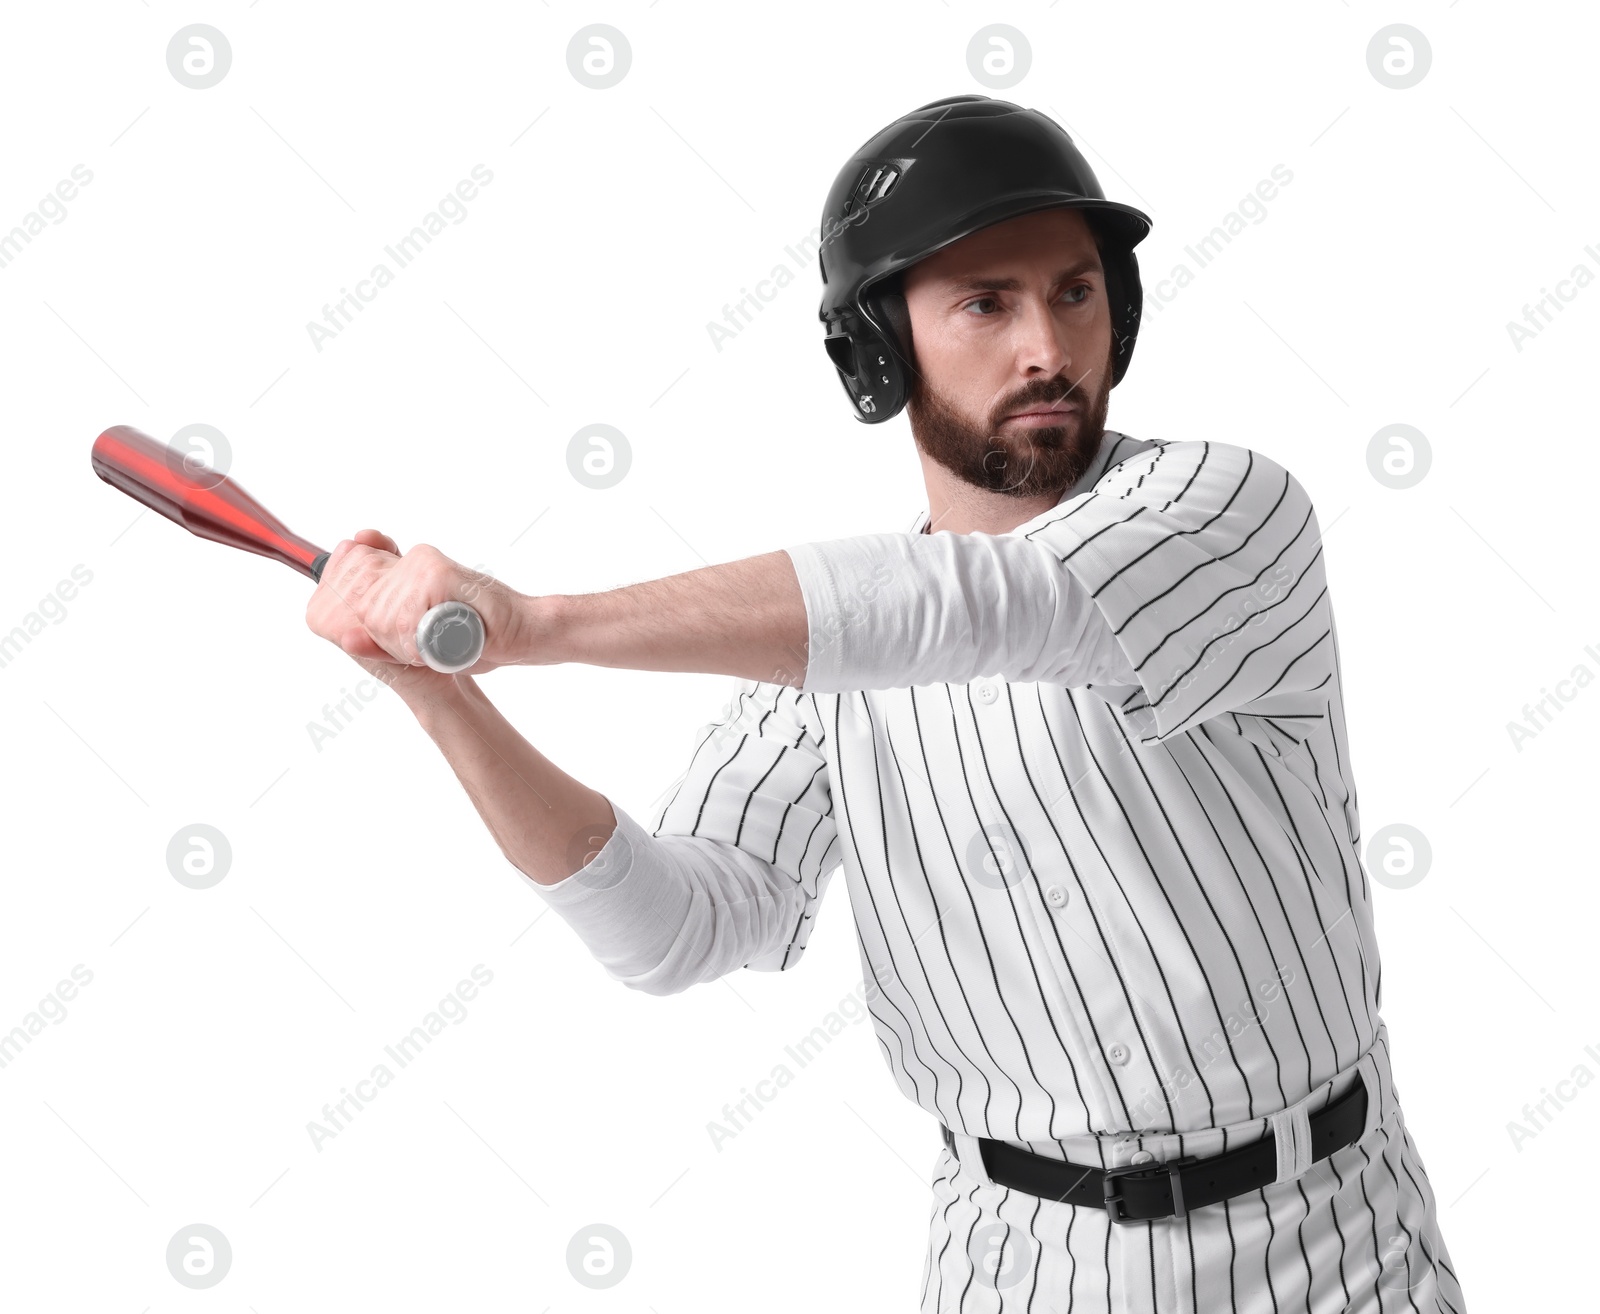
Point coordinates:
pixel 198 498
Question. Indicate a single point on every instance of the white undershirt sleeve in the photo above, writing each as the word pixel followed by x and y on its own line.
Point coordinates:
pixel 663 913
pixel 889 611
pixel 736 865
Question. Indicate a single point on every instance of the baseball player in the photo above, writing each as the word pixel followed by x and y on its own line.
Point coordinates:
pixel 1077 739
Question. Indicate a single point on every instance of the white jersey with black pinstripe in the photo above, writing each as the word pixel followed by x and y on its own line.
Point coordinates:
pixel 1090 787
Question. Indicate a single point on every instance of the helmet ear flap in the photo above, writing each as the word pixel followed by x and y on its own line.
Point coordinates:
pixel 887 365
pixel 868 365
pixel 892 303
pixel 1126 296
pixel 870 347
pixel 1124 292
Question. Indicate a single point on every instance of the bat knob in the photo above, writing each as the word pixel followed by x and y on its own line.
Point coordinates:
pixel 450 637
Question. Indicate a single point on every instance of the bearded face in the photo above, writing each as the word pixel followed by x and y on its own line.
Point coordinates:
pixel 1011 333
pixel 1017 457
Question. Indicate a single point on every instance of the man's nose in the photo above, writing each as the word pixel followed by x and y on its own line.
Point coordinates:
pixel 1041 341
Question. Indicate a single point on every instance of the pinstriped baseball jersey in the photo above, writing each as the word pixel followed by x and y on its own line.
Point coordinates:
pixel 1090 788
pixel 1132 901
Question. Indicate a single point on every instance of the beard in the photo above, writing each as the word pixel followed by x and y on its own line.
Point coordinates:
pixel 1026 462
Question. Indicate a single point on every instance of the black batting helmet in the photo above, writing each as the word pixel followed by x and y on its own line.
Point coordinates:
pixel 930 178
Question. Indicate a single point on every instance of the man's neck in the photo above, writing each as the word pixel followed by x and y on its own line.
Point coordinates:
pixel 955 512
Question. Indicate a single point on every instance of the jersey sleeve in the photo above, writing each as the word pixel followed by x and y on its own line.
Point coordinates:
pixel 1186 584
pixel 731 870
pixel 1204 560
pixel 758 786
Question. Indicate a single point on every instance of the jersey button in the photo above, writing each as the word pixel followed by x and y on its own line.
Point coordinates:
pixel 1118 1054
pixel 987 693
pixel 1056 895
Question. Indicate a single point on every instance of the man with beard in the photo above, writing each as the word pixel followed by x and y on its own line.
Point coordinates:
pixel 1036 442
pixel 1077 741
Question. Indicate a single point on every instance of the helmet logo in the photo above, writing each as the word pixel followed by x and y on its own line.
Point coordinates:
pixel 866 403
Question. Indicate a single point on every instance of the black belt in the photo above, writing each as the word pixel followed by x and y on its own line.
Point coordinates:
pixel 1136 1192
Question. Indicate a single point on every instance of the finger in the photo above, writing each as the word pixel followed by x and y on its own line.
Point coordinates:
pixel 359 644
pixel 341 549
pixel 350 571
pixel 376 539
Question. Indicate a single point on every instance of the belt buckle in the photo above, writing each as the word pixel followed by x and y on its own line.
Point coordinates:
pixel 1171 1168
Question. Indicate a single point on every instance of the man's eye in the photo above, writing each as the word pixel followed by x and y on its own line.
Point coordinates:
pixel 1078 294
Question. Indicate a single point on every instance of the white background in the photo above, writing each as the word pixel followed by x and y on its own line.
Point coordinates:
pixel 177 686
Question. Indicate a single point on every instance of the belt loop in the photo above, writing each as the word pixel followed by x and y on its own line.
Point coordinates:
pixel 1291 1129
pixel 970 1156
pixel 1369 1072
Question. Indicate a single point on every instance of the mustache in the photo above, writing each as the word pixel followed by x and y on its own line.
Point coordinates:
pixel 1043 396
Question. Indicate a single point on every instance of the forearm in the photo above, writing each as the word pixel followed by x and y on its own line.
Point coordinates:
pixel 659 913
pixel 545 822
pixel 745 618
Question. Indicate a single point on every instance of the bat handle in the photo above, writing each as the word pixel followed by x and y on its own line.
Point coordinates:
pixel 449 636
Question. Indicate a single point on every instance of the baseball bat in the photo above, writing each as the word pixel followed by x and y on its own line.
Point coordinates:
pixel 450 635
